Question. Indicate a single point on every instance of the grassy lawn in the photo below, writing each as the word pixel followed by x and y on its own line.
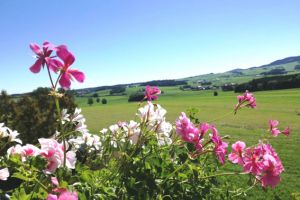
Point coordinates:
pixel 249 125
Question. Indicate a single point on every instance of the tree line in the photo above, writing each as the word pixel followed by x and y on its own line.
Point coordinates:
pixel 33 115
pixel 270 83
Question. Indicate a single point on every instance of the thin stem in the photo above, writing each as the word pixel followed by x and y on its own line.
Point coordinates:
pixel 51 80
pixel 176 170
pixel 41 184
pixel 224 174
pixel 57 80
pixel 63 136
pixel 220 117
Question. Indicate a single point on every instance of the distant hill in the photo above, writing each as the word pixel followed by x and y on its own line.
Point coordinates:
pixel 289 65
pixel 237 76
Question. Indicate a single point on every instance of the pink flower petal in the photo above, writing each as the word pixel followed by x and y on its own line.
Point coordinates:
pixel 65 81
pixel 35 48
pixel 53 64
pixel 65 55
pixel 68 196
pixel 36 67
pixel 54 181
pixel 78 75
pixel 275 132
pixel 286 131
pixel 51 197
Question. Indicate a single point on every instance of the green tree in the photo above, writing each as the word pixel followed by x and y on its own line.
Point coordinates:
pixel 33 115
pixel 90 101
pixel 104 101
pixel 98 100
pixel 7 106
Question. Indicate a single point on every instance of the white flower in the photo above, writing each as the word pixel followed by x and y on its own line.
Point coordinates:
pixel 163 133
pixel 64 116
pixel 77 117
pixel 133 131
pixel 12 137
pixel 81 127
pixel 4 174
pixel 3 131
pixel 15 150
pixel 114 128
pixel 104 131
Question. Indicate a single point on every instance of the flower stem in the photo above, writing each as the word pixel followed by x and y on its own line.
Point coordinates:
pixel 41 184
pixel 223 116
pixel 50 77
pixel 57 80
pixel 176 170
pixel 63 136
pixel 223 174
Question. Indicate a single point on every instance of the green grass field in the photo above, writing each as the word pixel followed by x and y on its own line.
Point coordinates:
pixel 248 125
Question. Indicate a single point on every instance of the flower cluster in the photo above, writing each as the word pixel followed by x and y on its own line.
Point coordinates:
pixel 275 131
pixel 51 150
pixel 153 116
pixel 261 161
pixel 247 99
pixel 44 57
pixel 152 119
pixel 151 92
pixel 195 135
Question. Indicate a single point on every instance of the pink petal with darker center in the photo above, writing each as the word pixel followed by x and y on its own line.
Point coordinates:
pixel 36 67
pixel 78 75
pixel 65 81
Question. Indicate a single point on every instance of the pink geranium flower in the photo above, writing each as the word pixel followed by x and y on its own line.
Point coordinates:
pixel 275 131
pixel 263 162
pixel 272 168
pixel 204 128
pixel 236 156
pixel 151 92
pixel 252 161
pixel 53 152
pixel 67 74
pixel 220 146
pixel 188 132
pixel 273 127
pixel 286 131
pixel 247 99
pixel 43 56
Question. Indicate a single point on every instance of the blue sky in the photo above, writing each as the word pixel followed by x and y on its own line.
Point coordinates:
pixel 128 41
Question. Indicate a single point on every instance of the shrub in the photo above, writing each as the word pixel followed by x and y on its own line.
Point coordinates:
pixel 138 96
pixel 104 101
pixel 90 101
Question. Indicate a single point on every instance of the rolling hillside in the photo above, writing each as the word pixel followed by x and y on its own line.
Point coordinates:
pixel 287 65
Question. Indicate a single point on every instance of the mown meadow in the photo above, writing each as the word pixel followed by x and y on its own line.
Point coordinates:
pixel 249 125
